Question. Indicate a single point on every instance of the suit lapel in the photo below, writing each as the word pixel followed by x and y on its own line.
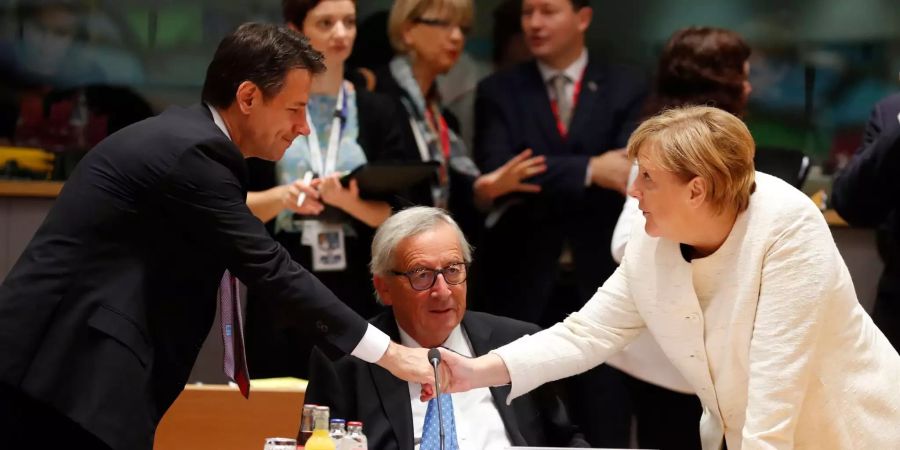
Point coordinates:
pixel 480 336
pixel 394 392
pixel 534 92
pixel 592 91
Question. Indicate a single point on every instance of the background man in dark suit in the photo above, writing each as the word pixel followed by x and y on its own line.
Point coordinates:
pixel 103 315
pixel 543 255
pixel 866 193
pixel 429 310
pixel 577 129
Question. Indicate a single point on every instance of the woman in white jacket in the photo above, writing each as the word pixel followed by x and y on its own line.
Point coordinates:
pixel 737 276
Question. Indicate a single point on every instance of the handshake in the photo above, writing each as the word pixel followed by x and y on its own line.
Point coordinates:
pixel 443 369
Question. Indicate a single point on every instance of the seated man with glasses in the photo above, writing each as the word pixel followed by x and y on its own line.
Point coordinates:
pixel 419 265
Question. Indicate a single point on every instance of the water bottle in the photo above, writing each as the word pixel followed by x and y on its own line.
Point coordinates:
pixel 355 439
pixel 337 431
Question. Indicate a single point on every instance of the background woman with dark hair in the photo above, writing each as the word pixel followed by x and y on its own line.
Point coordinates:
pixel 703 66
pixel 698 66
pixel 349 127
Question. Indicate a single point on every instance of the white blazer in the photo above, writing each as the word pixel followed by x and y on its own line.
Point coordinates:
pixel 782 355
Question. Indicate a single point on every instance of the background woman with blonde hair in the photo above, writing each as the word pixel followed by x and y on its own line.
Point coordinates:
pixel 737 276
pixel 429 36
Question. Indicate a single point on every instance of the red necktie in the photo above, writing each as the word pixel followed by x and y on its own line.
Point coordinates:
pixel 234 360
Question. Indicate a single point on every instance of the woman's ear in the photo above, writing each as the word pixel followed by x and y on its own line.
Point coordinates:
pixel 699 190
pixel 406 35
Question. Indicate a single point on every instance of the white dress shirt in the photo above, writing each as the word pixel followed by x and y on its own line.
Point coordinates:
pixel 374 343
pixel 478 423
pixel 573 72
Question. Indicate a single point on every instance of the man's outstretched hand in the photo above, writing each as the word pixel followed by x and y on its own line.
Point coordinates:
pixel 409 364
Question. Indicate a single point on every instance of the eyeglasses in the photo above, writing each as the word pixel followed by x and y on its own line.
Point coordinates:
pixel 423 279
pixel 447 25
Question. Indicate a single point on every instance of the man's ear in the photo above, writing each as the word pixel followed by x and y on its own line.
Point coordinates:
pixel 698 190
pixel 585 15
pixel 248 95
pixel 381 286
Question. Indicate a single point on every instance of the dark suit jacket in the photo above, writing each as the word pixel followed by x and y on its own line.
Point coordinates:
pixel 275 351
pixel 103 315
pixel 866 193
pixel 358 391
pixel 512 113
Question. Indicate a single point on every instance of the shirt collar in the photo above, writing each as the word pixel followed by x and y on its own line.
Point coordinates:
pixel 456 341
pixel 574 70
pixel 217 118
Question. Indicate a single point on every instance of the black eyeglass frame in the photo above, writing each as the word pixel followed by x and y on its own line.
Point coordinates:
pixel 443 23
pixel 435 272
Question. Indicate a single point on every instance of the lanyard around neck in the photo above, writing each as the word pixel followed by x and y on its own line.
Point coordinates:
pixel 326 166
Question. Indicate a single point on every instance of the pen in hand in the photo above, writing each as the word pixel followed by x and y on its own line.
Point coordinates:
pixel 307 178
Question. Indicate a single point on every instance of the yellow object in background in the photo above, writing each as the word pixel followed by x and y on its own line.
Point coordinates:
pixel 35 160
pixel 285 383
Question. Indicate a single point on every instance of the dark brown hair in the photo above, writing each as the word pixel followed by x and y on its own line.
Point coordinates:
pixel 702 66
pixel 260 53
pixel 295 11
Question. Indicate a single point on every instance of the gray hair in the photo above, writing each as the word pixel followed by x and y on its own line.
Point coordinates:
pixel 407 223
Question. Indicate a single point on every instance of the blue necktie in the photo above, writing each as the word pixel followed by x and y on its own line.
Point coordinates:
pixel 431 438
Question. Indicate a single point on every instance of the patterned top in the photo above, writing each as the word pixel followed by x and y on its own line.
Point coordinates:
pixel 296 160
pixel 419 110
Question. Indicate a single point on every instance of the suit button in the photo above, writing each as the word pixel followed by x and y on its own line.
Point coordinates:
pixel 321 326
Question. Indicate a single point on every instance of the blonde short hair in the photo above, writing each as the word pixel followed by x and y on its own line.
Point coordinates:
pixel 405 11
pixel 705 142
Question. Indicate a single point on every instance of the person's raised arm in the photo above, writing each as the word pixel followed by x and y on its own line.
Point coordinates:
pixel 267 204
pixel 607 322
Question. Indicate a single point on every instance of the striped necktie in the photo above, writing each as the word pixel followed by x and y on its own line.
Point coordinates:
pixel 234 361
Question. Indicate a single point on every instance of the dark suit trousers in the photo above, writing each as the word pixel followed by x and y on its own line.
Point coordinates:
pixel 25 423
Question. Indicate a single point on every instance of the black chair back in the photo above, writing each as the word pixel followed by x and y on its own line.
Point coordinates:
pixel 790 165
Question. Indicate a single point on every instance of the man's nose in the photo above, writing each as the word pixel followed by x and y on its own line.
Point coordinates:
pixel 441 288
pixel 532 21
pixel 301 126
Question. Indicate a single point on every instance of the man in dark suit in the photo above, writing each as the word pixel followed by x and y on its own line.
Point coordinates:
pixel 410 249
pixel 543 255
pixel 103 315
pixel 865 194
pixel 575 111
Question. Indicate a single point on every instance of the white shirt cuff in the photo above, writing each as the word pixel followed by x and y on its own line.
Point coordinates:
pixel 372 346
pixel 587 176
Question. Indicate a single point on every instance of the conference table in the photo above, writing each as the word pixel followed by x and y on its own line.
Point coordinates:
pixel 218 417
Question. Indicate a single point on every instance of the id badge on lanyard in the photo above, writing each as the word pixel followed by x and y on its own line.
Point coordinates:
pixel 326 239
